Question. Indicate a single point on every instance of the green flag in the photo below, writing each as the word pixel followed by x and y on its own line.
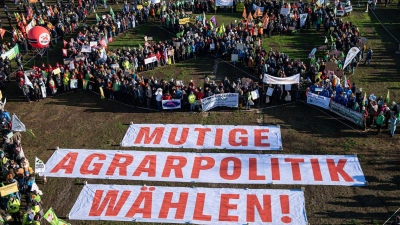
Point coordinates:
pixel 97 18
pixel 178 35
pixel 364 99
pixel 112 13
pixel 388 96
pixel 326 40
pixel 85 83
pixel 51 217
pixel 140 46
pixel 332 40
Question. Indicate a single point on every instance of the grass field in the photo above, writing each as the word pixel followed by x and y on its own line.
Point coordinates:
pixel 82 120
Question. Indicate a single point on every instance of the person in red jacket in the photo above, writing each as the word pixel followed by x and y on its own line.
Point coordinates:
pixel 167 96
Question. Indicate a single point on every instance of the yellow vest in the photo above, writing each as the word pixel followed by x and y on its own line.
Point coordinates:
pixel 13 206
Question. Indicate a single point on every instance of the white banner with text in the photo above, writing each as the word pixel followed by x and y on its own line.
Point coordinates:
pixel 199 136
pixel 295 79
pixel 189 205
pixel 206 167
pixel 318 100
pixel 225 100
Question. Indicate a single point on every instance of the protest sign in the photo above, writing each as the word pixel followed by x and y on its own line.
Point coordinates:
pixel 270 91
pixel 285 11
pixel 73 83
pixel 225 100
pixel 255 95
pixel 56 71
pixel 212 46
pixel 184 21
pixel 339 12
pixel 150 60
pixel 234 57
pixel 171 104
pixel 347 113
pixel 93 43
pixel 67 60
pixel 203 137
pixel 8 189
pixel 206 167
pixel 79 58
pixel 182 204
pixel 282 80
pixel 86 48
pixel 240 46
pixel 255 8
pixel 318 100
pixel 224 2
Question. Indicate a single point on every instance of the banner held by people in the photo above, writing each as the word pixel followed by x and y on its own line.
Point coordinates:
pixel 199 136
pixel 318 100
pixel 39 166
pixel 282 80
pixel 344 170
pixel 347 113
pixel 171 104
pixel 189 205
pixel 225 100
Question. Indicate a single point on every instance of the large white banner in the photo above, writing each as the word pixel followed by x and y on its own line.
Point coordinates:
pixel 318 100
pixel 226 100
pixel 282 80
pixel 206 167
pixel 224 2
pixel 350 56
pixel 189 205
pixel 199 136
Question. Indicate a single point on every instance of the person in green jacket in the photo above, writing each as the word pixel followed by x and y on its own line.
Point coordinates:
pixel 13 205
pixel 248 100
pixel 28 217
pixel 379 122
pixel 192 101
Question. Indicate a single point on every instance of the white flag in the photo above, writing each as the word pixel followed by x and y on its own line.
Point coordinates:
pixel 204 19
pixel 17 125
pixel 350 56
pixel 27 81
pixel 346 85
pixel 303 18
pixel 40 167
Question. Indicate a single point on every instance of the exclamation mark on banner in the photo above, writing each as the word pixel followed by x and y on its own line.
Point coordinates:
pixel 285 208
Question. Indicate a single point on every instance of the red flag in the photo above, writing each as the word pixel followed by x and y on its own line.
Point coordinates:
pixel 64 51
pixel 2 32
pixel 103 43
pixel 244 15
pixel 110 39
pixel 65 43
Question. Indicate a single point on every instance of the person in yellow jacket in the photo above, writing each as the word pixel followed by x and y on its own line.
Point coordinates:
pixel 13 205
pixel 66 83
pixel 192 101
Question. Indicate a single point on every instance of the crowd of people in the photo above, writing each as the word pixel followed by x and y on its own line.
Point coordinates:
pixel 118 72
pixel 16 169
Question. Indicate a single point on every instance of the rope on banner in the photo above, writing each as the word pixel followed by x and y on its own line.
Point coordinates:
pixel 333 117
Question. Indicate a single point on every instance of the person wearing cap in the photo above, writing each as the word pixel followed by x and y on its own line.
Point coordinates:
pixel 3 163
pixel 13 205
